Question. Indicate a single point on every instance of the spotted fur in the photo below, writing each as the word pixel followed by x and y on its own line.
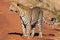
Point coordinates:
pixel 29 17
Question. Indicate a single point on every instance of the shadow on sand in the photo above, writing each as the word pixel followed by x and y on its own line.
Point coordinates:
pixel 36 34
pixel 15 33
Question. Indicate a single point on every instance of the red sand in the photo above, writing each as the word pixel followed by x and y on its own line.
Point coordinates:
pixel 10 22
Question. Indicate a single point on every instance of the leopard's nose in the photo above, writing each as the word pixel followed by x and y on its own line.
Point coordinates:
pixel 11 10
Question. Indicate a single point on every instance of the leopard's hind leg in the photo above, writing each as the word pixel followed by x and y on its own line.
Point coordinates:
pixel 40 24
pixel 33 29
pixel 40 27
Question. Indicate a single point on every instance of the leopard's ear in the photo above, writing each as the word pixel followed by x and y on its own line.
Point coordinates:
pixel 18 4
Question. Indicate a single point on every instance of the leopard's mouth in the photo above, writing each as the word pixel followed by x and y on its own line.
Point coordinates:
pixel 13 11
pixel 16 11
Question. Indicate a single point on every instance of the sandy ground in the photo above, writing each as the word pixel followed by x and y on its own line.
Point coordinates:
pixel 10 23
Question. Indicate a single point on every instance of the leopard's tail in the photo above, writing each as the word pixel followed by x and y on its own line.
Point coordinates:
pixel 51 22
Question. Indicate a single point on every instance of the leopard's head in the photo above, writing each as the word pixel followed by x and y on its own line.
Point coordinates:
pixel 14 7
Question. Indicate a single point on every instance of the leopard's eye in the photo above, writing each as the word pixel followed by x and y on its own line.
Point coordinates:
pixel 17 4
pixel 39 0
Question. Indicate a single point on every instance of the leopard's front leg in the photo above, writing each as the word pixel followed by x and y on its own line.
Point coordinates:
pixel 23 27
pixel 40 24
pixel 28 28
